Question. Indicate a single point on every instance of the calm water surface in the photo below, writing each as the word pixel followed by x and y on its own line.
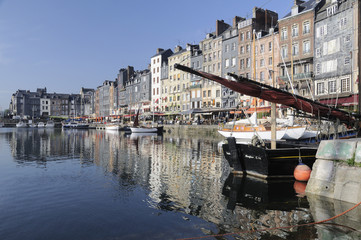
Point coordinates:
pixel 105 185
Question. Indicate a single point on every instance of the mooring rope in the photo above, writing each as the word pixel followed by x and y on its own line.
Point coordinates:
pixel 274 228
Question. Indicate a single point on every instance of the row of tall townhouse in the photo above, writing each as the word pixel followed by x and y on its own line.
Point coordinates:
pixel 42 104
pixel 312 52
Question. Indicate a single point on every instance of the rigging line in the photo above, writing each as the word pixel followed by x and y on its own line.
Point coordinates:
pixel 276 228
pixel 284 64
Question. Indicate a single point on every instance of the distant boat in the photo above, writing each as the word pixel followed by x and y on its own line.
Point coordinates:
pixel 112 127
pixel 32 125
pixel 75 125
pixel 41 125
pixel 144 129
pixel 50 124
pixel 21 124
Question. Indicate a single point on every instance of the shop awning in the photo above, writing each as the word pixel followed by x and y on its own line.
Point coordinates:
pixel 345 101
pixel 258 109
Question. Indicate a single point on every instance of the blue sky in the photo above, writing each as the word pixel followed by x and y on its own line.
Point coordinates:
pixel 68 44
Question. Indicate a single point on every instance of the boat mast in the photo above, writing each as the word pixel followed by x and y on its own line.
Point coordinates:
pixel 254 69
pixel 273 105
pixel 359 53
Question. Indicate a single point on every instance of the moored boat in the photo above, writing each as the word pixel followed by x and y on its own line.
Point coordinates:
pixel 21 124
pixel 263 162
pixel 50 124
pixel 75 125
pixel 112 127
pixel 41 125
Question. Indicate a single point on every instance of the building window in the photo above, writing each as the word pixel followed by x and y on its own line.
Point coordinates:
pixel 306 46
pixel 318 52
pixel 284 51
pixel 226 48
pixel 306 68
pixel 306 27
pixel 270 61
pixel 248 35
pixel 261 76
pixel 345 85
pixel 233 46
pixel 261 48
pixel 227 63
pixel 233 61
pixel 241 63
pixel 318 68
pixel 295 30
pixel 343 22
pixel 320 88
pixel 331 10
pixel 242 49
pixel 321 31
pixel 332 86
pixel 347 60
pixel 295 49
pixel 242 36
pixel 270 46
pixel 248 62
pixel 261 63
pixel 248 48
pixel 284 34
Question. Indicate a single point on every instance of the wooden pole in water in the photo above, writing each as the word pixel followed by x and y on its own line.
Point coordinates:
pixel 273 105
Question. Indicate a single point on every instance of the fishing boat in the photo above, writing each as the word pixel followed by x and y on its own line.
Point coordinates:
pixel 136 128
pixel 259 158
pixel 261 161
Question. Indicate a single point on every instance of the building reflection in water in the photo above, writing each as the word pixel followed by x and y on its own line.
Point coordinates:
pixel 184 174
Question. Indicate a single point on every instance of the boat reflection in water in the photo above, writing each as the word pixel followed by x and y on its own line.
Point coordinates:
pixel 170 186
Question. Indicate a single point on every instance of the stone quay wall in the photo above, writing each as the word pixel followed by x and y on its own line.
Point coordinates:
pixel 336 172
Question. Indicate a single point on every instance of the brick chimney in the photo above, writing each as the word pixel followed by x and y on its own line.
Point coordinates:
pixel 221 26
pixel 177 48
pixel 159 50
pixel 236 20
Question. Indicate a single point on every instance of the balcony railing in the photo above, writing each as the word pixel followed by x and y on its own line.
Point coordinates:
pixel 298 76
pixel 195 86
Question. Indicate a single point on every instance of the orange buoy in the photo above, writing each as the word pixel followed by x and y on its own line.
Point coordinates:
pixel 302 172
pixel 300 188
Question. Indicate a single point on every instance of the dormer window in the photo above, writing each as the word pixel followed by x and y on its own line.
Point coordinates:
pixel 331 10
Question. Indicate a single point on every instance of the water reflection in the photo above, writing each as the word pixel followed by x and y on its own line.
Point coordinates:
pixel 181 174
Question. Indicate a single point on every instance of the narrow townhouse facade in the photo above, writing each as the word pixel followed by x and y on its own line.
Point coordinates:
pixel 122 80
pixel 156 63
pixel 87 101
pixel 178 83
pixel 296 41
pixel 230 99
pixel 45 106
pixel 335 59
pixel 262 20
pixel 164 76
pixel 106 98
pixel 196 90
pixel 138 91
pixel 267 59
pixel 211 48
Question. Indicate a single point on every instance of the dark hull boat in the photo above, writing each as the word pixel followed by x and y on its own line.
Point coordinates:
pixel 267 163
pixel 260 194
pixel 263 161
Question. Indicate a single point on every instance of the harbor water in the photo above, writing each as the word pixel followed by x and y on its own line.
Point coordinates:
pixel 97 184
